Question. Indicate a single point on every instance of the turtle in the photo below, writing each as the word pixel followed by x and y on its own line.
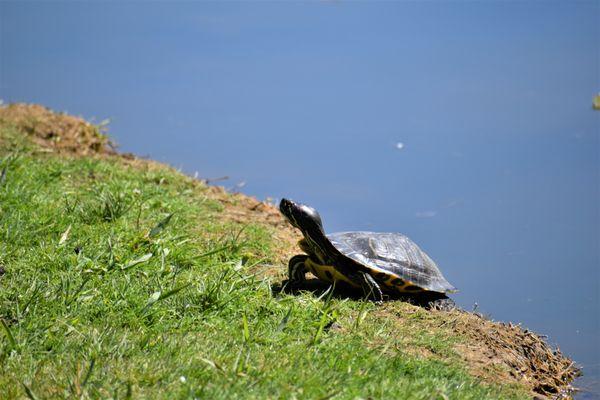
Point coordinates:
pixel 375 262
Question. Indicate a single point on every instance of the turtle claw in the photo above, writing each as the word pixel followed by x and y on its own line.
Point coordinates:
pixel 442 304
pixel 297 269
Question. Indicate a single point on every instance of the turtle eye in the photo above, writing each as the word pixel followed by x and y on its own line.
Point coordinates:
pixel 286 207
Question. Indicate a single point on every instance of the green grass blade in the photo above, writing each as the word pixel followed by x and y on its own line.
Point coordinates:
pixel 138 261
pixel 89 372
pixel 159 296
pixel 160 226
pixel 284 321
pixel 246 329
pixel 9 335
pixel 28 392
pixel 211 252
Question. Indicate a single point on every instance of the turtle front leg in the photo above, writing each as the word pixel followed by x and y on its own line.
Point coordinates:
pixel 370 287
pixel 297 269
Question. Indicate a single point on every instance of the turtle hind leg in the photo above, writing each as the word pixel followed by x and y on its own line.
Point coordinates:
pixel 370 287
pixel 297 269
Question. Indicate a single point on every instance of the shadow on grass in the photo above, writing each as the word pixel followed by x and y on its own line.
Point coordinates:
pixel 427 300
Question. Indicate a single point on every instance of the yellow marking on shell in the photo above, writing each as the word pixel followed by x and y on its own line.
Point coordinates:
pixel 389 285
pixel 320 271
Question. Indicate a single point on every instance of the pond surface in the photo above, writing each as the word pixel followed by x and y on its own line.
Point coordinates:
pixel 467 127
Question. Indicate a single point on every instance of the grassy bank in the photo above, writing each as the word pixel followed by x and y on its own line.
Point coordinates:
pixel 124 278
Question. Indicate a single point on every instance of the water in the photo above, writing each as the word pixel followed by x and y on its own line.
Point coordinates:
pixel 467 127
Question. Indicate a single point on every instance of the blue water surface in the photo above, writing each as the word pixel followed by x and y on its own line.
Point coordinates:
pixel 467 125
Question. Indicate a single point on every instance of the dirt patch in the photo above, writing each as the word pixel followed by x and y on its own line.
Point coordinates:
pixel 240 208
pixel 505 352
pixel 57 131
pixel 494 352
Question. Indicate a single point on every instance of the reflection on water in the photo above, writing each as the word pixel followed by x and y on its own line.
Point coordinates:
pixel 431 119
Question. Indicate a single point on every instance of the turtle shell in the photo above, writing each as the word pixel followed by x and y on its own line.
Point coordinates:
pixel 393 259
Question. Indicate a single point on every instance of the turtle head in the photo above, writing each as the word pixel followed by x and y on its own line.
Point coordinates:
pixel 301 216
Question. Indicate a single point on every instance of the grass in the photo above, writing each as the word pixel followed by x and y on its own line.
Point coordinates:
pixel 125 281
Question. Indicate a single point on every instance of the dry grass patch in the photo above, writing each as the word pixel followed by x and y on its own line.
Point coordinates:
pixel 505 352
pixel 493 351
pixel 56 131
